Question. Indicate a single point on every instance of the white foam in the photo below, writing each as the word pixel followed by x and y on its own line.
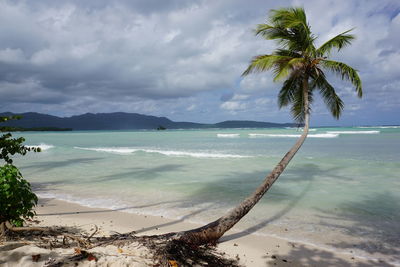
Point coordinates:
pixel 300 129
pixel 126 150
pixel 194 154
pixel 116 150
pixel 42 146
pixel 324 135
pixel 228 135
pixel 353 132
pixel 256 135
pixel 379 127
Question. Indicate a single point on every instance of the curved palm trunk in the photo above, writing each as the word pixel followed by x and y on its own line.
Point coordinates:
pixel 211 232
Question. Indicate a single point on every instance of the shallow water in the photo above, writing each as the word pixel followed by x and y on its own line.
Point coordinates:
pixel 341 191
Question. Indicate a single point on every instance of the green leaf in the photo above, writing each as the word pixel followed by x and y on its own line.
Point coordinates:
pixel 338 42
pixel 265 62
pixel 17 198
pixel 331 99
pixel 345 72
pixel 298 63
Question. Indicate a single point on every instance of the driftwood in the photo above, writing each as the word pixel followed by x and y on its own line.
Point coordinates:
pixel 10 227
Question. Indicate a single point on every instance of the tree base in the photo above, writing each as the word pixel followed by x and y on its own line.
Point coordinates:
pixel 166 250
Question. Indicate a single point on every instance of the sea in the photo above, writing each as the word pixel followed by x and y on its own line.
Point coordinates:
pixel 341 191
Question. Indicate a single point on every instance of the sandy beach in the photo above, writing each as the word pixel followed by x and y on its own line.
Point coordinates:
pixel 252 250
pixel 199 133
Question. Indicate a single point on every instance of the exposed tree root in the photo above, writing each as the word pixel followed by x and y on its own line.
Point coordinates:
pixel 166 250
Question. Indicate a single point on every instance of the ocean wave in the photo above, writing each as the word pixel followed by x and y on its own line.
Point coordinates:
pixel 194 154
pixel 379 127
pixel 300 129
pixel 116 150
pixel 174 153
pixel 42 146
pixel 324 135
pixel 235 135
pixel 353 132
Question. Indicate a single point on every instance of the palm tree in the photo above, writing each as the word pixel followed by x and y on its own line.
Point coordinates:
pixel 303 66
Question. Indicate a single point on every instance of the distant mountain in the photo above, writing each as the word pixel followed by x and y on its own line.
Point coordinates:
pixel 123 121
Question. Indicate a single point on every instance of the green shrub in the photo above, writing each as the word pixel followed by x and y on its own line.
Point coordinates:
pixel 16 197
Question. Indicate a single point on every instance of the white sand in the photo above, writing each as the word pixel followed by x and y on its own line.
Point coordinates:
pixel 253 250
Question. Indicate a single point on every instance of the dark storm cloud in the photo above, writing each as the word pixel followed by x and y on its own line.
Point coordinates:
pixel 118 48
pixel 177 58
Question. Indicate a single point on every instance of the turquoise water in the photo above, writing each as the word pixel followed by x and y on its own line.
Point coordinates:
pixel 341 191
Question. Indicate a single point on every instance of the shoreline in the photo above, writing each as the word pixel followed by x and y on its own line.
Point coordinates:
pixel 251 250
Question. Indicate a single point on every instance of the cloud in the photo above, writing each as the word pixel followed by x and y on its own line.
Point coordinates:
pixel 179 58
pixel 233 105
pixel 12 56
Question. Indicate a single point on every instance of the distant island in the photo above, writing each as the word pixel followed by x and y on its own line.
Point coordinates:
pixel 32 121
pixel 33 129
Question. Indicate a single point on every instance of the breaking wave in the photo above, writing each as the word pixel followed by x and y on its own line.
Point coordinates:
pixel 300 129
pixel 353 132
pixel 235 135
pixel 174 153
pixel 324 135
pixel 379 127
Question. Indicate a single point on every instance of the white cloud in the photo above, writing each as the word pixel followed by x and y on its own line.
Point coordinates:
pixel 262 101
pixel 44 57
pixel 239 97
pixel 10 55
pixel 93 55
pixel 191 107
pixel 171 35
pixel 256 83
pixel 233 105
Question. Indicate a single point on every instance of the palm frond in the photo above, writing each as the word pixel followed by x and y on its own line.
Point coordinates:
pixel 289 27
pixel 281 71
pixel 338 42
pixel 281 35
pixel 298 61
pixel 262 28
pixel 264 62
pixel 329 96
pixel 288 90
pixel 287 53
pixel 283 68
pixel 293 17
pixel 271 32
pixel 345 72
pixel 294 20
pixel 298 110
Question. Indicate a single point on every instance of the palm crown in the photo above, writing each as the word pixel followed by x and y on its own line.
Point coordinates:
pixel 298 60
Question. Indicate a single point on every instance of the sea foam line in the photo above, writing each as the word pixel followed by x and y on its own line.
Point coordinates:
pixel 235 135
pixel 116 150
pixel 127 150
pixel 300 129
pixel 324 135
pixel 353 132
pixel 379 127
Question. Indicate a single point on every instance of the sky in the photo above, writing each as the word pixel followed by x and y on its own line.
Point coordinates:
pixel 184 59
